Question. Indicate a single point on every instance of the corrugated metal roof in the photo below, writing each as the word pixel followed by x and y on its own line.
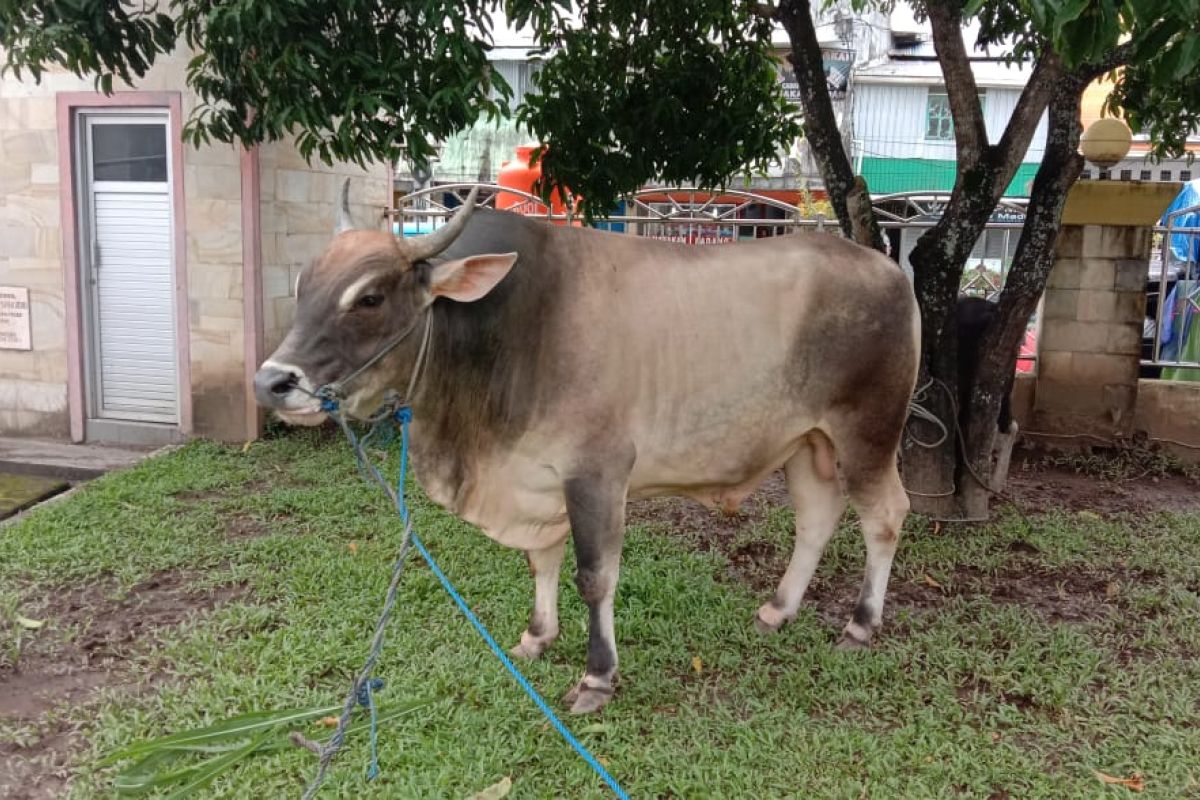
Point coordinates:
pixel 987 73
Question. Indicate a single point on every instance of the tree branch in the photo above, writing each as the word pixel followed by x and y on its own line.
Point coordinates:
pixel 764 10
pixel 1018 134
pixel 1119 56
pixel 970 133
pixel 820 124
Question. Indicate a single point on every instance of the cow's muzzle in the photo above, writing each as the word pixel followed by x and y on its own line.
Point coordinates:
pixel 285 389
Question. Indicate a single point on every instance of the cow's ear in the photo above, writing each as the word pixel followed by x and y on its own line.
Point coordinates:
pixel 468 279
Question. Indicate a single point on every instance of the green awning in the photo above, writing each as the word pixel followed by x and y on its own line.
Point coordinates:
pixel 895 175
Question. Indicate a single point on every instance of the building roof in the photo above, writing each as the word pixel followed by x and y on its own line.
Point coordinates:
pixel 992 72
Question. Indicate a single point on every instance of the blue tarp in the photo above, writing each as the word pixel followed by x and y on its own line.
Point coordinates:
pixel 1185 246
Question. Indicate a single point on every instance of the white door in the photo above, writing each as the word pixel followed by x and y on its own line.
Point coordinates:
pixel 129 267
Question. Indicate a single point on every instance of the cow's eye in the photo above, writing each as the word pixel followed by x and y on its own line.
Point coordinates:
pixel 369 301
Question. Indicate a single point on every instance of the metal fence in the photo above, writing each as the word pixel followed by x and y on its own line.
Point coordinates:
pixel 1171 333
pixel 687 214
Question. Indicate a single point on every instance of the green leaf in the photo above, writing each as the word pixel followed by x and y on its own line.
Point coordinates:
pixel 1186 57
pixel 148 773
pixel 217 766
pixel 240 726
pixel 152 770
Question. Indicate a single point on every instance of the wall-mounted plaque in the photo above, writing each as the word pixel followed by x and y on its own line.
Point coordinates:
pixel 15 329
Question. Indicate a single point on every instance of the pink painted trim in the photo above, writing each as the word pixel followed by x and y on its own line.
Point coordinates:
pixel 252 293
pixel 71 294
pixel 68 104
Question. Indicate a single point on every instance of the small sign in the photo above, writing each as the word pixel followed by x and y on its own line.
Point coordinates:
pixel 836 64
pixel 15 330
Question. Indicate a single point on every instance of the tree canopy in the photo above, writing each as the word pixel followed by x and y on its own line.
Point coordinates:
pixel 675 90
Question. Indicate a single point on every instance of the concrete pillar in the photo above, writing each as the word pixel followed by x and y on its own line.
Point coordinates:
pixel 1095 304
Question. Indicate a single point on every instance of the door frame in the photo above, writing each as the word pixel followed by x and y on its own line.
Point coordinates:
pixel 72 199
pixel 87 121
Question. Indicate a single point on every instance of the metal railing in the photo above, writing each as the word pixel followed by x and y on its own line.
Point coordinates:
pixel 1173 294
pixel 724 216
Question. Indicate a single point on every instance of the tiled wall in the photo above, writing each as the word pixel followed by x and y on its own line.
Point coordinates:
pixel 297 219
pixel 33 384
pixel 298 212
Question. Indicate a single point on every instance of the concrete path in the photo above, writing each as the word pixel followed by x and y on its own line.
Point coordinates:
pixel 72 462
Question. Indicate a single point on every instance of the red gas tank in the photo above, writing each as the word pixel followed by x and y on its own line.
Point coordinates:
pixel 522 175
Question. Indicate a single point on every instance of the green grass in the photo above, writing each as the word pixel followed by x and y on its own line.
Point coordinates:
pixel 963 695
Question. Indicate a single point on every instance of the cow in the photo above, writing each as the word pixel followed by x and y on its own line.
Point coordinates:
pixel 565 370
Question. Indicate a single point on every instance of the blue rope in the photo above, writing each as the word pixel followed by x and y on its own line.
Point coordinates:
pixel 516 673
pixel 365 686
pixel 366 699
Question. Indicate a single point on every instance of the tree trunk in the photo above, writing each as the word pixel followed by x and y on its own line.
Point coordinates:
pixel 1027 277
pixel 935 476
pixel 953 478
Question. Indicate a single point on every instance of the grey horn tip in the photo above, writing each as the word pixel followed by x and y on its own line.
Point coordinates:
pixel 344 223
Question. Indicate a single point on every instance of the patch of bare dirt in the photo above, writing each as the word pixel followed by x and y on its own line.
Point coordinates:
pixel 1037 486
pixel 1057 595
pixel 240 526
pixel 90 642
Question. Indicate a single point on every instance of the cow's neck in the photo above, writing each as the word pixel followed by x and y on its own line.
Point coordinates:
pixel 476 394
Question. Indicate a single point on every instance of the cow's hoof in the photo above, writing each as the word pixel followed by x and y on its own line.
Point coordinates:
pixel 530 647
pixel 852 644
pixel 585 699
pixel 769 619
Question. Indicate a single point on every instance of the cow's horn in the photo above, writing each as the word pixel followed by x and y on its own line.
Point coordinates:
pixel 344 222
pixel 431 244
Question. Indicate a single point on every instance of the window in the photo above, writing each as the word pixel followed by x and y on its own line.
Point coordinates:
pixel 1086 175
pixel 1126 174
pixel 1165 175
pixel 129 152
pixel 1145 175
pixel 1185 175
pixel 1105 175
pixel 939 122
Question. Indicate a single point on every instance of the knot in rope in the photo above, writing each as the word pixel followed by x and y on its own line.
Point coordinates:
pixel 366 689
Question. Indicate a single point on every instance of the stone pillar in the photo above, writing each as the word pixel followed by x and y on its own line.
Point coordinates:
pixel 1095 304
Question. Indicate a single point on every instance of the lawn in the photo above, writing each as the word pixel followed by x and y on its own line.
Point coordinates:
pixel 1018 659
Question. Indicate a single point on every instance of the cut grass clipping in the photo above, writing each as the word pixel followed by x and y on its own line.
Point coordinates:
pixel 207 753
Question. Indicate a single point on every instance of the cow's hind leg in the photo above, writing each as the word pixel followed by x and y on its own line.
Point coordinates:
pixel 596 507
pixel 544 566
pixel 881 502
pixel 817 497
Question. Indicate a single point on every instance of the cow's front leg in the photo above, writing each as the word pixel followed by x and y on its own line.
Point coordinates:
pixel 596 508
pixel 544 566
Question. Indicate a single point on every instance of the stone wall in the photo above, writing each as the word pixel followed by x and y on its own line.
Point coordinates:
pixel 33 384
pixel 1169 412
pixel 298 212
pixel 1092 330
pixel 34 398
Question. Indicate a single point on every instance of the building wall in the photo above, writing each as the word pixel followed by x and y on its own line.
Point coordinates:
pixel 31 254
pixel 296 219
pixel 298 212
pixel 33 384
pixel 889 136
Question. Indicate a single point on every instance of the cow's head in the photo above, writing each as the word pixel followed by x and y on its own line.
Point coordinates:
pixel 365 290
